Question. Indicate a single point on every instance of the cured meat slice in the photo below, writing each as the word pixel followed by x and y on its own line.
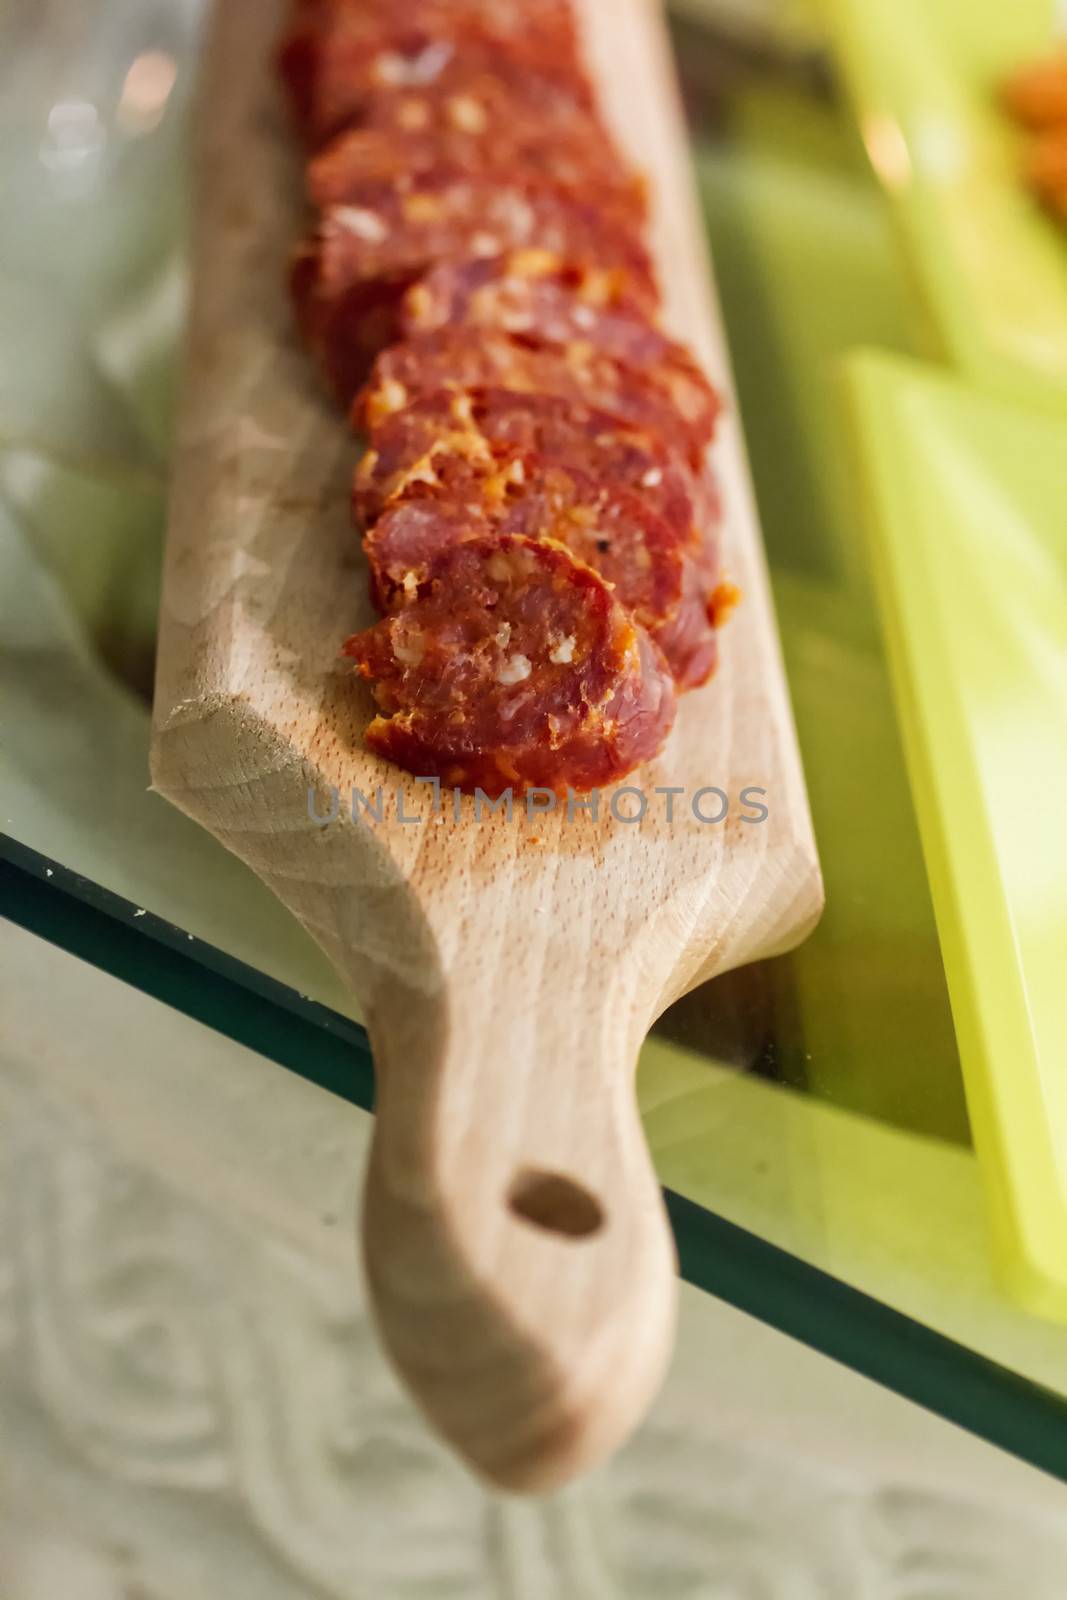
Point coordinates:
pixel 536 294
pixel 465 358
pixel 475 87
pixel 499 17
pixel 480 132
pixel 335 57
pixel 349 278
pixel 515 667
pixel 689 638
pixel 533 290
pixel 659 576
pixel 408 446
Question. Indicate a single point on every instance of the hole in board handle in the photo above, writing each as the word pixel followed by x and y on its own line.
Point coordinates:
pixel 555 1203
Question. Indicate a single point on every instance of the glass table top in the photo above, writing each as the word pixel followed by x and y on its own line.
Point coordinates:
pixel 806 1115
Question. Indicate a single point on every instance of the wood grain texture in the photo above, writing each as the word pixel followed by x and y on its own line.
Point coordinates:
pixel 515 1238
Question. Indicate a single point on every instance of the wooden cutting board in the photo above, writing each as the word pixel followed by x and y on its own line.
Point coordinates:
pixel 515 1238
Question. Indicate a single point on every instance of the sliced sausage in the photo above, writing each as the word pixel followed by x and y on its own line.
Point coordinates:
pixel 515 667
pixel 538 295
pixel 578 371
pixel 665 580
pixel 406 447
pixel 349 278
pixel 335 57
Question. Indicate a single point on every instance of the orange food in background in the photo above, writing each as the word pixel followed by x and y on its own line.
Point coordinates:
pixel 1036 96
pixel 1046 170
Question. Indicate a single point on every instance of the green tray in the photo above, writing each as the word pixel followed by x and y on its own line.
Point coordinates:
pixel 989 264
pixel 967 499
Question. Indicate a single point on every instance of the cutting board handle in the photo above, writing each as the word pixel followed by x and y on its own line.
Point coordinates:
pixel 515 1238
